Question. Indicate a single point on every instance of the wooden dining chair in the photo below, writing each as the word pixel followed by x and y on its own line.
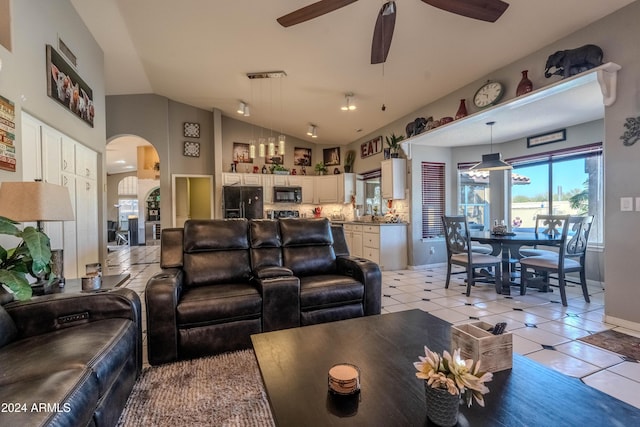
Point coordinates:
pixel 459 252
pixel 570 258
pixel 545 224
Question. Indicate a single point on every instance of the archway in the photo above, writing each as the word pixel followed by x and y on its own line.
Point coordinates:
pixel 133 172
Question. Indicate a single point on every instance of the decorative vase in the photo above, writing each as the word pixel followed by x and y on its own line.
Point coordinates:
pixel 525 85
pixel 442 406
pixel 462 110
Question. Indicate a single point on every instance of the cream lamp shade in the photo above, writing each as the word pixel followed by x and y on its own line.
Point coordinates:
pixel 35 201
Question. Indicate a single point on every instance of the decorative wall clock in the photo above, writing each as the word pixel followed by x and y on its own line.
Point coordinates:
pixel 191 149
pixel 192 130
pixel 488 94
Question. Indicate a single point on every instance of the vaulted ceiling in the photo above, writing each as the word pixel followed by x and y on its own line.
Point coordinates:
pixel 199 53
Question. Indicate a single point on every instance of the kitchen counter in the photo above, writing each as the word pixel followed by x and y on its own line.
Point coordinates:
pixel 380 242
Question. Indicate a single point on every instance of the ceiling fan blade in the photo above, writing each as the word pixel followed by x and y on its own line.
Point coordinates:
pixel 311 11
pixel 383 33
pixel 484 10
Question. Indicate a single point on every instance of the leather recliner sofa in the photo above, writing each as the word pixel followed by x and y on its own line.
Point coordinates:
pixel 69 359
pixel 223 280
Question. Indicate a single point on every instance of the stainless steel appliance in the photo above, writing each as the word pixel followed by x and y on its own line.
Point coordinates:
pixel 275 214
pixel 287 194
pixel 242 202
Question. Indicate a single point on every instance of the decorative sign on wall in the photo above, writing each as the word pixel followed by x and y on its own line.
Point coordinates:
pixel 632 134
pixel 191 130
pixel 7 135
pixel 371 147
pixel 547 138
pixel 65 86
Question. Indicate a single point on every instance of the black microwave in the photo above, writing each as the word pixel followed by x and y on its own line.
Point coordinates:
pixel 287 194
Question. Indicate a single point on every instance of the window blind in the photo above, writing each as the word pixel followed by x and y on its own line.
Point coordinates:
pixel 433 199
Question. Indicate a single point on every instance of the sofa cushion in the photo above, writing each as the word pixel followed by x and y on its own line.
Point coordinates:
pixel 266 245
pixel 8 329
pixel 210 268
pixel 329 290
pixel 217 304
pixel 308 232
pixel 72 394
pixel 102 346
pixel 218 234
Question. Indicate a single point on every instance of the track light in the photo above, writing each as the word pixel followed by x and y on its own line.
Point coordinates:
pixel 243 108
pixel 312 131
pixel 348 104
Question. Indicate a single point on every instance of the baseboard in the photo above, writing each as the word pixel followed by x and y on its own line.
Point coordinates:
pixel 622 323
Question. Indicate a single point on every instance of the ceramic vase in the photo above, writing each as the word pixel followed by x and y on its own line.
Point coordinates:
pixel 462 110
pixel 525 85
pixel 442 406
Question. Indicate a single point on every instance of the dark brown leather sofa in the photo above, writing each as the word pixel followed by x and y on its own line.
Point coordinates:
pixel 69 359
pixel 223 280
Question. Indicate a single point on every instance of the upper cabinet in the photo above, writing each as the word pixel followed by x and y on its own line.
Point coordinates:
pixel 392 182
pixel 335 188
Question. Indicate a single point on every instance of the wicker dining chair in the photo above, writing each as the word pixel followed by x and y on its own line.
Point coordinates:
pixel 459 252
pixel 570 258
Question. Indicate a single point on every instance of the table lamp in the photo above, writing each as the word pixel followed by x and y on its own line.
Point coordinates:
pixel 37 201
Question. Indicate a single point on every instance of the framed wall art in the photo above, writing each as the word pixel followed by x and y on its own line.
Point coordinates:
pixel 67 88
pixel 547 138
pixel 302 156
pixel 331 156
pixel 191 130
pixel 191 149
pixel 241 153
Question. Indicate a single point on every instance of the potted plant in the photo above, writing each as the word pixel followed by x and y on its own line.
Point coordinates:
pixel 320 168
pixel 349 159
pixel 278 169
pixel 446 379
pixel 394 144
pixel 31 256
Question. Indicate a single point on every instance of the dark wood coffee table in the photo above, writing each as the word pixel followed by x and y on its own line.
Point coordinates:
pixel 294 365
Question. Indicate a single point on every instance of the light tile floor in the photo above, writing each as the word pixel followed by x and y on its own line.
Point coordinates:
pixel 542 328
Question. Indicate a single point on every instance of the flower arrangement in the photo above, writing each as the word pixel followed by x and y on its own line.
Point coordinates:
pixel 454 374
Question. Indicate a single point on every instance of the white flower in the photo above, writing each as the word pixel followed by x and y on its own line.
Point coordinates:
pixel 453 374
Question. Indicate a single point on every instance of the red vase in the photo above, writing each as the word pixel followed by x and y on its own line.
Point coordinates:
pixel 525 85
pixel 462 110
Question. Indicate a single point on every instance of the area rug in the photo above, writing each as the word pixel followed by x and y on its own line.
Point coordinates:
pixel 623 344
pixel 224 390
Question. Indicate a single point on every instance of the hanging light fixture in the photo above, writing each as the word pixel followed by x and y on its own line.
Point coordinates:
pixel 348 104
pixel 272 146
pixel 492 161
pixel 281 138
pixel 312 131
pixel 261 147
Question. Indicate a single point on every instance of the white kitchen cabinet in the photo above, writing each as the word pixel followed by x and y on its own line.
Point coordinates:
pixel 392 182
pixel 58 159
pixel 384 244
pixel 252 179
pixel 230 178
pixel 335 188
pixel 353 237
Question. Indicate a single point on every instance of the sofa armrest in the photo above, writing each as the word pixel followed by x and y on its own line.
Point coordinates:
pixel 280 302
pixel 162 294
pixel 271 272
pixel 367 272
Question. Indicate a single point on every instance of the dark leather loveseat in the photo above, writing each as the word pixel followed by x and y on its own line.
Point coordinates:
pixel 69 359
pixel 224 280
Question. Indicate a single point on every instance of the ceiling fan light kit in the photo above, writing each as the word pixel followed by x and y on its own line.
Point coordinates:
pixel 484 10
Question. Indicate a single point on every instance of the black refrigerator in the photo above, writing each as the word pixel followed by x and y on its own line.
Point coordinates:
pixel 242 202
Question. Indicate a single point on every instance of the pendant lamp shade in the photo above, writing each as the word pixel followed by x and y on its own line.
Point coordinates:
pixel 492 161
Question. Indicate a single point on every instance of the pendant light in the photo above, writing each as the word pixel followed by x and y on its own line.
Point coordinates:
pixel 492 161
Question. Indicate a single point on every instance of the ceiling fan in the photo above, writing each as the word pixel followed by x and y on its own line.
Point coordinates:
pixel 484 10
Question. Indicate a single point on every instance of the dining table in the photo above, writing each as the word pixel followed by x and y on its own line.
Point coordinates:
pixel 507 246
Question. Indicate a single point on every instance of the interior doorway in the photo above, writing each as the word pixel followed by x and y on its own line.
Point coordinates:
pixel 192 197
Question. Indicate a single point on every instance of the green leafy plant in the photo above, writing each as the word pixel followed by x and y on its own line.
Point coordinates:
pixel 453 374
pixel 349 159
pixel 394 142
pixel 321 168
pixel 32 256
